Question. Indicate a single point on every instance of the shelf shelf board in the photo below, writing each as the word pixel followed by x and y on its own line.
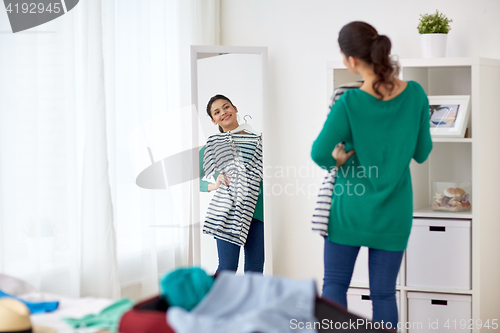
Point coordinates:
pixel 428 212
pixel 366 286
pixel 449 62
pixel 359 286
pixel 420 289
pixel 453 140
pixel 433 62
pixel 439 291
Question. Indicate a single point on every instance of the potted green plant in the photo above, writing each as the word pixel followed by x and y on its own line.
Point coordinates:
pixel 433 30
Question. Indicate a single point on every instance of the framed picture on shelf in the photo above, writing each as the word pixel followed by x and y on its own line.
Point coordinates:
pixel 449 115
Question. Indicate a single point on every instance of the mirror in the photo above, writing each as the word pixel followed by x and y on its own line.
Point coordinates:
pixel 238 73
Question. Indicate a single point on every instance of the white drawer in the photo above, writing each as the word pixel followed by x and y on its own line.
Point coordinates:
pixel 439 254
pixel 359 302
pixel 439 312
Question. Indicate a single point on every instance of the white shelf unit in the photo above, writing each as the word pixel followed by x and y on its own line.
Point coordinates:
pixel 475 159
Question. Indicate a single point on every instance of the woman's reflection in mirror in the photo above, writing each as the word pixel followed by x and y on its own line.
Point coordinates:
pixel 235 214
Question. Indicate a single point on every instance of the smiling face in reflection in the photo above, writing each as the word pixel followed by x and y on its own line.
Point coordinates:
pixel 224 114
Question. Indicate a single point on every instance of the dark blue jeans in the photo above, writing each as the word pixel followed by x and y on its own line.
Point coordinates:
pixel 383 268
pixel 229 253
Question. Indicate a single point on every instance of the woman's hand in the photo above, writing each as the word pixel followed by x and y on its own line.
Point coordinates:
pixel 340 155
pixel 221 179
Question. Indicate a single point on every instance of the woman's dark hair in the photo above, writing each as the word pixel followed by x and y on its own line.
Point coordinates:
pixel 209 106
pixel 361 40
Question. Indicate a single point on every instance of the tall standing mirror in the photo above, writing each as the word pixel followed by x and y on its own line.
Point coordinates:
pixel 238 73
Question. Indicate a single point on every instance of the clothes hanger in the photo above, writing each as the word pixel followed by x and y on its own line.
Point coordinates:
pixel 245 127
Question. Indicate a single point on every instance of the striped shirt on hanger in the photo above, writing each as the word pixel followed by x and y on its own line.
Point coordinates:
pixel 230 212
pixel 323 205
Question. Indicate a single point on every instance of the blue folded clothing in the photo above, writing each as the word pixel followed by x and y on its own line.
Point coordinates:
pixel 35 307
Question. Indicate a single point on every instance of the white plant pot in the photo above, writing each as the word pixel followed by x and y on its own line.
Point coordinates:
pixel 433 45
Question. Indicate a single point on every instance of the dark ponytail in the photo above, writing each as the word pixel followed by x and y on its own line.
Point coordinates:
pixel 361 40
pixel 209 106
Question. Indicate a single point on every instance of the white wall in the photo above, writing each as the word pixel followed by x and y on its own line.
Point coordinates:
pixel 302 36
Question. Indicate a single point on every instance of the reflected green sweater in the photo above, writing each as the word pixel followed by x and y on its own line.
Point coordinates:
pixel 372 203
pixel 259 206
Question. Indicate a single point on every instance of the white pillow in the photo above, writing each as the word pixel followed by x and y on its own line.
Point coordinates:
pixel 14 286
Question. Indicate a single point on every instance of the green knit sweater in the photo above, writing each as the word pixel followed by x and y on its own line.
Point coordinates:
pixel 259 206
pixel 373 200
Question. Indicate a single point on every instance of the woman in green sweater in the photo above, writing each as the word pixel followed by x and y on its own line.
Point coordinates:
pixel 227 222
pixel 384 124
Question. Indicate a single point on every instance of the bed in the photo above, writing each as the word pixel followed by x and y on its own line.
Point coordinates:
pixel 68 307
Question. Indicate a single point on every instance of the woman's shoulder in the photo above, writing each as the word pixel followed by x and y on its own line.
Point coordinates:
pixel 416 93
pixel 349 97
pixel 358 97
pixel 416 87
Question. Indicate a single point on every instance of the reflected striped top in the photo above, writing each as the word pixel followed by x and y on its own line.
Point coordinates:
pixel 230 212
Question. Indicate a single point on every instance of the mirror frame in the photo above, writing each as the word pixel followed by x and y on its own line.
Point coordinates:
pixel 203 51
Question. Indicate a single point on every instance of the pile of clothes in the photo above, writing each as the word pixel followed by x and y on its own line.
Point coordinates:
pixel 192 301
